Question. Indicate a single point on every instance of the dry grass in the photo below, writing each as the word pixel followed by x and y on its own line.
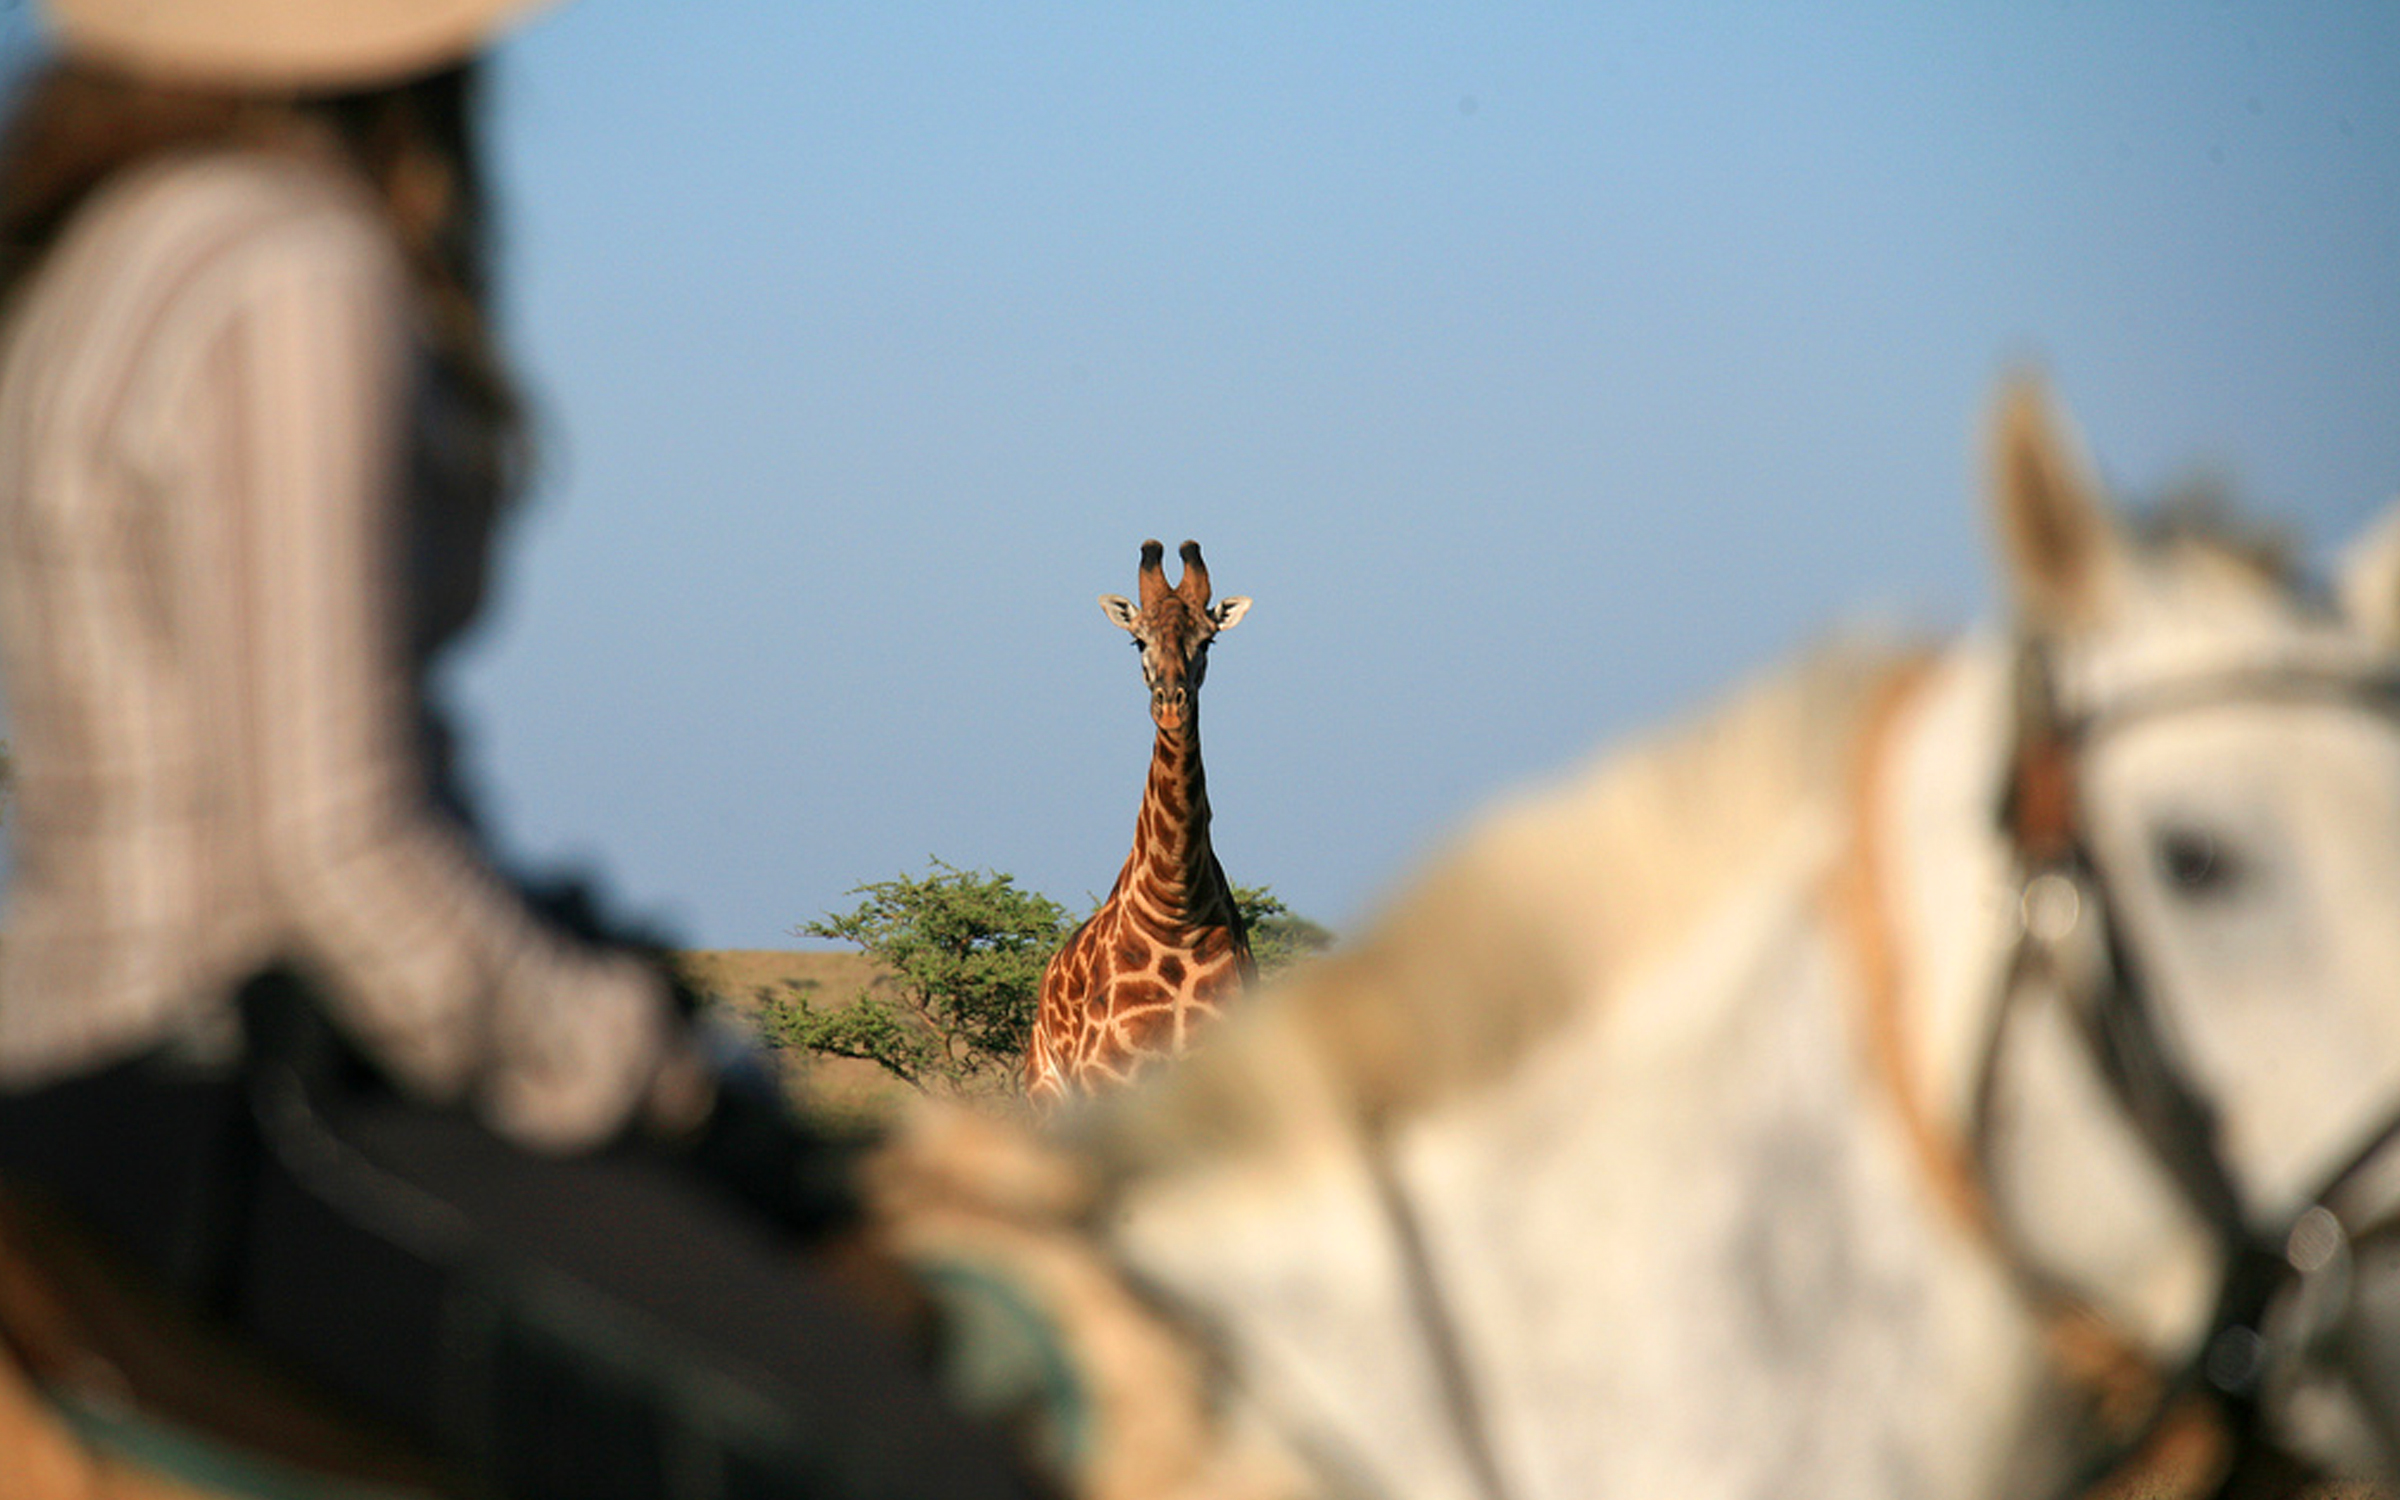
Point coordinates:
pixel 739 978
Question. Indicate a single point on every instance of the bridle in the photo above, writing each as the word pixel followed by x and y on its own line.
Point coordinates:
pixel 2282 1285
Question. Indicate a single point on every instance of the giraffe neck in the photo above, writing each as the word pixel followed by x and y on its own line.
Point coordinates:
pixel 1173 872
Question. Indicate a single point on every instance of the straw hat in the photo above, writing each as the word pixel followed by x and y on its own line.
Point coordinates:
pixel 279 44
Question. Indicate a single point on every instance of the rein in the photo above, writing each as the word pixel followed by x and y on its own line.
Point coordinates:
pixel 2093 1356
pixel 2063 893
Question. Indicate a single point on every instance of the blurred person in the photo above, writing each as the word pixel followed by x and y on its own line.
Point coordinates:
pixel 269 1018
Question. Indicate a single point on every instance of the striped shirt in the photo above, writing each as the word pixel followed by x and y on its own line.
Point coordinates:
pixel 206 396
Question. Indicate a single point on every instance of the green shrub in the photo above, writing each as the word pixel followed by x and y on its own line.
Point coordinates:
pixel 1279 936
pixel 962 952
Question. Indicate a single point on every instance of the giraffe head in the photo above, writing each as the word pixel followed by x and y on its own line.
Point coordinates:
pixel 1172 627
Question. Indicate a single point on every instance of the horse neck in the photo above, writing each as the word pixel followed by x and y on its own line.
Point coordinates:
pixel 1944 875
pixel 1757 1238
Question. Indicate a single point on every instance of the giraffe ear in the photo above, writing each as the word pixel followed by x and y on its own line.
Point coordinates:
pixel 1227 612
pixel 1120 609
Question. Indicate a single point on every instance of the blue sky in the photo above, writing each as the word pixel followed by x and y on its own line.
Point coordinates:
pixel 1538 370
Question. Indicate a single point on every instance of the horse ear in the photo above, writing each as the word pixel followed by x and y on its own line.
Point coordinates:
pixel 1228 611
pixel 1120 609
pixel 2369 579
pixel 2058 538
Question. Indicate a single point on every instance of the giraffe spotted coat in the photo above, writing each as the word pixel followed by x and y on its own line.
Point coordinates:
pixel 1167 948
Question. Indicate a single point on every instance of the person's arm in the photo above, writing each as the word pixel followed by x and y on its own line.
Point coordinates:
pixel 430 961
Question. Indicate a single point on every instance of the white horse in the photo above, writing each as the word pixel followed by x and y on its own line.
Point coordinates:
pixel 1924 1076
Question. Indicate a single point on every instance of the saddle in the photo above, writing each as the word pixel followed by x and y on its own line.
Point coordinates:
pixel 111 1389
pixel 140 1321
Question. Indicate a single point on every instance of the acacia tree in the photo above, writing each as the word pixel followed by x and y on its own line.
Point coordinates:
pixel 962 953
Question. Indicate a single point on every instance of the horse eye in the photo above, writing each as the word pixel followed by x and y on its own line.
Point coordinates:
pixel 2194 861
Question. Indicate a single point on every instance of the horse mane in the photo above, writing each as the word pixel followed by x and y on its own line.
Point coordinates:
pixel 1550 902
pixel 2206 512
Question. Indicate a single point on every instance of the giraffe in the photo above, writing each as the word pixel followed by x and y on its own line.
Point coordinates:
pixel 1168 945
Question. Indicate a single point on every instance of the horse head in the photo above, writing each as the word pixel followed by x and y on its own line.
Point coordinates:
pixel 2193 1079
